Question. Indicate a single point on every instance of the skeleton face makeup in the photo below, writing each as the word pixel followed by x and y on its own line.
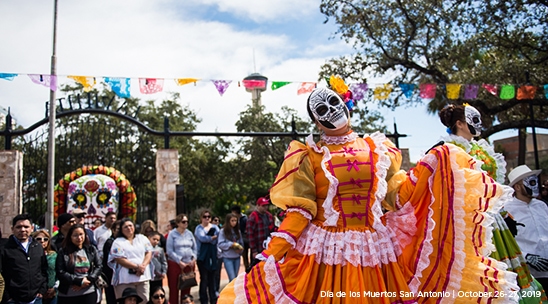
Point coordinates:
pixel 328 109
pixel 473 118
pixel 531 185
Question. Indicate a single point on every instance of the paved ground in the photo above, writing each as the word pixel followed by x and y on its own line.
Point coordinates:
pixel 194 290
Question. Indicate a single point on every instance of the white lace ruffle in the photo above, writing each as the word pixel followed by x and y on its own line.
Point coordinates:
pixel 303 212
pixel 382 166
pixel 498 157
pixel 359 248
pixel 339 140
pixel 285 235
pixel 331 215
pixel 239 289
pixel 274 281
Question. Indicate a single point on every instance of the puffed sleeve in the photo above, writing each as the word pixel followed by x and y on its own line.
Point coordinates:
pixel 394 176
pixel 294 191
pixel 294 185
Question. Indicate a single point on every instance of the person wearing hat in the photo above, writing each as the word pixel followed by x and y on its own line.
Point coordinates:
pixel 259 226
pixel 64 222
pixel 129 296
pixel 532 213
pixel 79 215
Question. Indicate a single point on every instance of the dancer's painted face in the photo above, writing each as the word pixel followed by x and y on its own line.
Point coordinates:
pixel 328 109
pixel 531 185
pixel 473 119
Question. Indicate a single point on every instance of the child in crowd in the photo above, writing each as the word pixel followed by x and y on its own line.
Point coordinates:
pixel 158 260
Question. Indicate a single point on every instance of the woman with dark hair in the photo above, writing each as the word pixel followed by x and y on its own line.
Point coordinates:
pixel 182 252
pixel 42 236
pixel 158 296
pixel 129 258
pixel 463 123
pixel 78 266
pixel 231 246
pixel 149 226
pixel 206 239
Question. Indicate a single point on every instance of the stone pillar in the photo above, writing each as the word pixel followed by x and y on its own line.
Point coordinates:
pixel 11 183
pixel 167 178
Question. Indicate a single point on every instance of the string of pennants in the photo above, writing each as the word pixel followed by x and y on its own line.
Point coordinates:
pixel 121 87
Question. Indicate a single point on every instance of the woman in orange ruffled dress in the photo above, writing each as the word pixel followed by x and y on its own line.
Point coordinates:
pixel 336 245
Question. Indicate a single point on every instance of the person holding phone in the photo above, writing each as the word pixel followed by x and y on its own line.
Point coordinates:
pixel 206 239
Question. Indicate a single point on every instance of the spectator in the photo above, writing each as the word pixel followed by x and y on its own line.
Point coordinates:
pixel 78 266
pixel 129 296
pixel 24 265
pixel 158 296
pixel 259 226
pixel 532 213
pixel 206 239
pixel 110 296
pixel 104 232
pixel 182 252
pixel 80 215
pixel 158 260
pixel 42 236
pixel 149 226
pixel 215 221
pixel 130 258
pixel 544 192
pixel 188 299
pixel 242 222
pixel 231 246
pixel 2 285
pixel 96 224
pixel 64 222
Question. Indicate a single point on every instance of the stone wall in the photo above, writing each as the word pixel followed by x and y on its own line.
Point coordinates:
pixel 11 180
pixel 167 178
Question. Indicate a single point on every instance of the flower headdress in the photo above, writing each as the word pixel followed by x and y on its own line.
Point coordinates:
pixel 337 84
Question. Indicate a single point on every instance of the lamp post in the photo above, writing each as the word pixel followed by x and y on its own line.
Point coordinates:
pixel 51 135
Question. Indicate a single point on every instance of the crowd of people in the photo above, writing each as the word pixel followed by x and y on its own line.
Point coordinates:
pixel 115 261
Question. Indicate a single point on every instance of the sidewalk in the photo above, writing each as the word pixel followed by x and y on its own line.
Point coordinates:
pixel 194 290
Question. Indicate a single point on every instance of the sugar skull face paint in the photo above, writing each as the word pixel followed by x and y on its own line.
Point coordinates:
pixel 328 109
pixel 531 185
pixel 473 118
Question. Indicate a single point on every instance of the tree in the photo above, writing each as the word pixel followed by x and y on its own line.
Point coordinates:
pixel 447 42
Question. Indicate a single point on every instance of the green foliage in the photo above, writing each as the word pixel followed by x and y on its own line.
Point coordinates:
pixel 446 42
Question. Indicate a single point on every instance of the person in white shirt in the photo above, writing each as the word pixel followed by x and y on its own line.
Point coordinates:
pixel 532 217
pixel 103 232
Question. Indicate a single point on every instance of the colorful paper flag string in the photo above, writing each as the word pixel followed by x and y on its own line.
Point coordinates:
pixel 306 87
pixel 151 85
pixel 49 81
pixel 221 85
pixel 359 90
pixel 120 86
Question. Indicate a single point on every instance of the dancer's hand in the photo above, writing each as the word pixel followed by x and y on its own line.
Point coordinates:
pixel 537 262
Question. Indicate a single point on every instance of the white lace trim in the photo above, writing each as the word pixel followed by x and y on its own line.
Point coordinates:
pixel 239 289
pixel 339 140
pixel 286 237
pixel 274 282
pixel 359 248
pixel 305 214
pixel 382 166
pixel 331 215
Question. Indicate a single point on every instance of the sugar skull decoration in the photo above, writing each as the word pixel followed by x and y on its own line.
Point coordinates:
pixel 95 194
pixel 473 118
pixel 96 190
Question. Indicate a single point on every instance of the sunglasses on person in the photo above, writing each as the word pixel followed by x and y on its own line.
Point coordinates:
pixel 39 239
pixel 184 222
pixel 158 296
pixel 206 216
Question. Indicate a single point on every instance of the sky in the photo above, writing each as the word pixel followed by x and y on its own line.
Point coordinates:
pixel 284 40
